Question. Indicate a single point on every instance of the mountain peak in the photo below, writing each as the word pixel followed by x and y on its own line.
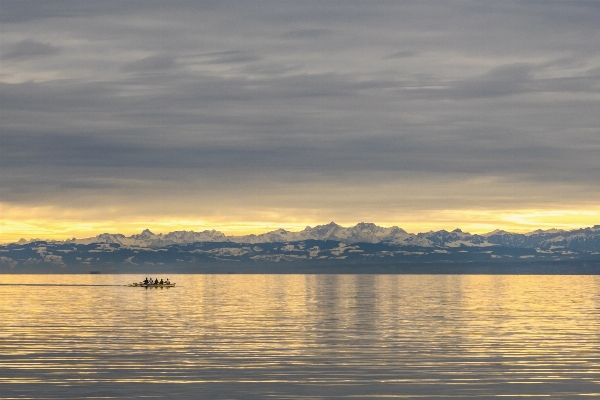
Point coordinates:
pixel 495 232
pixel 365 224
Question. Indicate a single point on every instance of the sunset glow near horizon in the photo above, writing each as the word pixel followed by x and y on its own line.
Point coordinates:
pixel 247 117
pixel 473 221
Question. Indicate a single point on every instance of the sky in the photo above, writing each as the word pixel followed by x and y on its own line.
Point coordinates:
pixel 249 116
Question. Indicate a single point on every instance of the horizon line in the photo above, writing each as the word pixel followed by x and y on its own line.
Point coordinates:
pixel 33 239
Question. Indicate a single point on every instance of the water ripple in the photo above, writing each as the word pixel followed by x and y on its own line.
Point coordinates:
pixel 300 336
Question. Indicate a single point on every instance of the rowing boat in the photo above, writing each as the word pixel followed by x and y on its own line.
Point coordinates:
pixel 147 285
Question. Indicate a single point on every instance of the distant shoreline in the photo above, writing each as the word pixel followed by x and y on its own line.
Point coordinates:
pixel 578 267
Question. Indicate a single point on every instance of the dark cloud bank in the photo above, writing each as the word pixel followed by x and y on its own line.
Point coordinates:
pixel 421 91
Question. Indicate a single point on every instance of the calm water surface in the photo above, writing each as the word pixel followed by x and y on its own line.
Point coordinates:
pixel 300 336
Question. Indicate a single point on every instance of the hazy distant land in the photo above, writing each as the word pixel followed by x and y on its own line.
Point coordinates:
pixel 364 248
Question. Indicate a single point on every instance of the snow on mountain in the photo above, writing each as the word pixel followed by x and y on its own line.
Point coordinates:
pixel 279 235
pixel 371 233
pixel 495 232
pixel 331 231
pixel 456 238
pixel 582 239
pixel 539 232
pixel 149 239
pixel 362 232
pixel 444 238
pixel 102 238
pixel 193 237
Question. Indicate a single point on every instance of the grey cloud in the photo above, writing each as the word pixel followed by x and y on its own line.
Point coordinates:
pixel 307 34
pixel 28 48
pixel 501 81
pixel 593 72
pixel 577 84
pixel 403 54
pixel 567 13
pixel 506 80
pixel 34 10
pixel 269 68
pixel 230 57
pixel 152 63
pixel 57 96
pixel 359 155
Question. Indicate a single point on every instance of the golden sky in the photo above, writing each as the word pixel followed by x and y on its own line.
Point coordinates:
pixel 50 223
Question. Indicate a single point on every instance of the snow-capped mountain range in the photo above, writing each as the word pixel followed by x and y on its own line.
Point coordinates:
pixel 581 239
pixel 365 245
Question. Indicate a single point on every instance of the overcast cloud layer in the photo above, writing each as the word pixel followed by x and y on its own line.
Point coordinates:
pixel 333 110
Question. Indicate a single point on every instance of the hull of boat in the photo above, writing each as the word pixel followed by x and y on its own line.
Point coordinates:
pixel 148 286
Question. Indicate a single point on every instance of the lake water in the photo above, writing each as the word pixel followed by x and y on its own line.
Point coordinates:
pixel 300 336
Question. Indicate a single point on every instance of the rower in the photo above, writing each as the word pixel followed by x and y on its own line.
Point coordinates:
pixel 156 281
pixel 168 282
pixel 161 282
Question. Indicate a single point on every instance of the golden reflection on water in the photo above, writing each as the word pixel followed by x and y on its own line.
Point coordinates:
pixel 300 336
